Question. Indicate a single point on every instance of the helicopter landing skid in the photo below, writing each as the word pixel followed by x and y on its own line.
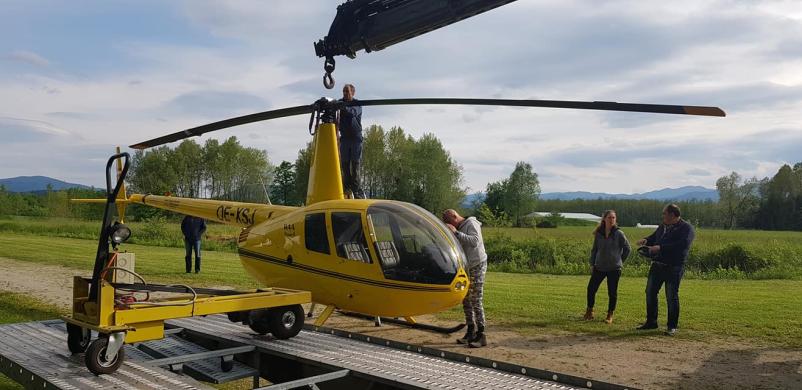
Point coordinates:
pixel 410 323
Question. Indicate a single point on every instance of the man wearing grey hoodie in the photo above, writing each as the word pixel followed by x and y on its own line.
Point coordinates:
pixel 468 232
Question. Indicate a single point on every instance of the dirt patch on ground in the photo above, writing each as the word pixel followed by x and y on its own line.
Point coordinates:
pixel 50 283
pixel 650 362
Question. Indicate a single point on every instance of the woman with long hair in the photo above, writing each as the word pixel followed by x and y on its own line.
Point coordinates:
pixel 610 250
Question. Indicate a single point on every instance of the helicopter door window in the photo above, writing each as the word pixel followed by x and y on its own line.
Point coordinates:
pixel 349 237
pixel 315 235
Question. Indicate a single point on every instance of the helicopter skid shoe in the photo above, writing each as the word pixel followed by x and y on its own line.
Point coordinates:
pixel 409 322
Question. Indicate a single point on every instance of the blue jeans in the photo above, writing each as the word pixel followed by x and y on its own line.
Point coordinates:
pixel 671 276
pixel 191 245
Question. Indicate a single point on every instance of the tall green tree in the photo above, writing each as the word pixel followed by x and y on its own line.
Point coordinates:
pixel 738 200
pixel 283 189
pixel 302 165
pixel 523 189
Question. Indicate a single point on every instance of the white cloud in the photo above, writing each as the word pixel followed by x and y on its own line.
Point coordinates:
pixel 28 57
pixel 743 56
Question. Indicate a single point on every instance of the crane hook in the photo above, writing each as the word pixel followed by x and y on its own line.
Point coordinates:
pixel 328 79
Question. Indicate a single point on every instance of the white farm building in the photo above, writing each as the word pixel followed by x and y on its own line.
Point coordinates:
pixel 582 216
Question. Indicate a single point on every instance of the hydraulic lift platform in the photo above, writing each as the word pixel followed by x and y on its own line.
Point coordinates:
pixel 35 355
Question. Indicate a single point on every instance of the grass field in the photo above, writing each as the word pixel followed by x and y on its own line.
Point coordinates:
pixel 715 254
pixel 762 311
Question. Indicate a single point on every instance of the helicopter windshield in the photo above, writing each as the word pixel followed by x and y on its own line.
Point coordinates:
pixel 410 247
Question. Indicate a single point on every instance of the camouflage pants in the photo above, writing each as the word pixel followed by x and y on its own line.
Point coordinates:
pixel 472 304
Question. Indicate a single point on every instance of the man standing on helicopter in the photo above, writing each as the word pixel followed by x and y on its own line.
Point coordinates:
pixel 469 234
pixel 349 125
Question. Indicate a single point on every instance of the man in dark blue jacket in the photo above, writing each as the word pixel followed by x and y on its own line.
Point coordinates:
pixel 668 248
pixel 193 229
pixel 350 127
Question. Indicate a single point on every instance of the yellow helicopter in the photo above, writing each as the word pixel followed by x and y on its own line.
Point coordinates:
pixel 369 256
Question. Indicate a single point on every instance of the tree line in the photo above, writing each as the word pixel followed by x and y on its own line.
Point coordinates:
pixel 773 203
pixel 215 170
pixel 50 203
pixel 395 166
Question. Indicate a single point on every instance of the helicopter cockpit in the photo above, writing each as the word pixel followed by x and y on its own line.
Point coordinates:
pixel 411 245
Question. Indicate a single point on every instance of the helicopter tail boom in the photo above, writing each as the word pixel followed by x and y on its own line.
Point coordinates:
pixel 227 212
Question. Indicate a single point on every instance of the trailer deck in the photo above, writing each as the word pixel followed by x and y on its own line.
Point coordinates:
pixel 35 355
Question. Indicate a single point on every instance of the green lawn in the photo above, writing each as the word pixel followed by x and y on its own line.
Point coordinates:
pixel 21 308
pixel 757 310
pixel 156 264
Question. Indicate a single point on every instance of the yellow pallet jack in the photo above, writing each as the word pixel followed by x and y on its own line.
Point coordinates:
pixel 107 303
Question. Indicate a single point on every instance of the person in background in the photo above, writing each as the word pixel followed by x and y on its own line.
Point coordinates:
pixel 668 248
pixel 349 125
pixel 468 232
pixel 193 229
pixel 610 250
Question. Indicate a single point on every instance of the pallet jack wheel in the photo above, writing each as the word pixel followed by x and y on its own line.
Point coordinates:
pixel 95 358
pixel 285 322
pixel 78 338
pixel 258 321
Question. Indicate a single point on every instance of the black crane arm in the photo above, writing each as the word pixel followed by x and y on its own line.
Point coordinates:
pixel 372 25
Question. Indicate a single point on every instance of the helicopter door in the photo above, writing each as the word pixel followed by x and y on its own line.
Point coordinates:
pixel 410 246
pixel 349 237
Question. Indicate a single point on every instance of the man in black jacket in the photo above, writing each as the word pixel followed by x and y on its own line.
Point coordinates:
pixel 668 247
pixel 193 229
pixel 349 126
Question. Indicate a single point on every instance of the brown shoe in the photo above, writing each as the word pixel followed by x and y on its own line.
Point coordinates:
pixel 588 314
pixel 609 319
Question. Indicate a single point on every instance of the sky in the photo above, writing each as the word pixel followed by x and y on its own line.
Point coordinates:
pixel 78 78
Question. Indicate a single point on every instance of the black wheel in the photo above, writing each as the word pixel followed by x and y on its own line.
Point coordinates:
pixel 96 357
pixel 78 338
pixel 226 366
pixel 258 321
pixel 237 316
pixel 286 321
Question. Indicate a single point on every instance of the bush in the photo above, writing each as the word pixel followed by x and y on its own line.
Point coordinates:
pixel 731 256
pixel 546 224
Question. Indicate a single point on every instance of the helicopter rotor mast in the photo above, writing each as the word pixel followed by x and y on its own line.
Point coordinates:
pixel 372 25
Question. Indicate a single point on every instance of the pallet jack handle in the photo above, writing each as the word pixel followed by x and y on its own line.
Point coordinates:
pixel 102 255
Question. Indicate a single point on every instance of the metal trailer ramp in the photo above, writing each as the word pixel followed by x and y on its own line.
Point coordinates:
pixel 373 362
pixel 35 354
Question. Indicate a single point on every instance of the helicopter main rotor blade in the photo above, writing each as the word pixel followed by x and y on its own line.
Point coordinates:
pixel 241 120
pixel 604 106
pixel 324 104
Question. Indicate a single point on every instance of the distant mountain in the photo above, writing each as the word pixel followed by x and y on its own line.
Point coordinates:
pixel 682 193
pixel 472 199
pixel 666 194
pixel 36 184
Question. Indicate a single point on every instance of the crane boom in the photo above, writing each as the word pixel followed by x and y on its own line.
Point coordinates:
pixel 373 25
